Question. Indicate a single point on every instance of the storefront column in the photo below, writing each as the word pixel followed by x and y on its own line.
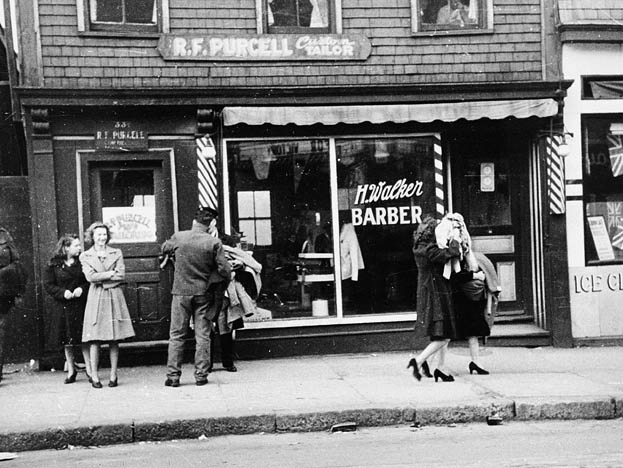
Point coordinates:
pixel 556 268
pixel 42 199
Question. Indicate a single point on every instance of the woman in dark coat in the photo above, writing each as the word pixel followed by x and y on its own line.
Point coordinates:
pixel 65 282
pixel 434 295
pixel 475 288
pixel 470 302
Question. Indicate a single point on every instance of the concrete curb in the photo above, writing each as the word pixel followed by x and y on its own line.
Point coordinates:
pixel 509 410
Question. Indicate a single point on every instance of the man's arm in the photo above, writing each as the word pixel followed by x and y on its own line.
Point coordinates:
pixel 222 265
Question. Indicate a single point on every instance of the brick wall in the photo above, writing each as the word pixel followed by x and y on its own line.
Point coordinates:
pixel 511 53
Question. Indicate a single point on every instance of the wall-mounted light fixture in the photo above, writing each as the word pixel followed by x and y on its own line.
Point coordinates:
pixel 560 141
pixel 564 148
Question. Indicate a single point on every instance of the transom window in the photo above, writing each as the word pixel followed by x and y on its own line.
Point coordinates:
pixel 124 15
pixel 451 15
pixel 299 16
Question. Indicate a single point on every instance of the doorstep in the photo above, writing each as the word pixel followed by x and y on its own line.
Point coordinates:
pixel 519 334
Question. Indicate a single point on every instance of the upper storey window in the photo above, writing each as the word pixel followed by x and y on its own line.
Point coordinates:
pixel 124 15
pixel 299 16
pixel 452 16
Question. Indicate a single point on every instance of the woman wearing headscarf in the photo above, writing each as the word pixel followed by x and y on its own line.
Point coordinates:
pixel 434 296
pixel 475 289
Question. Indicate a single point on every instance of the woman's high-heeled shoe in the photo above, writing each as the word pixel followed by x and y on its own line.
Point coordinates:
pixel 112 383
pixel 426 370
pixel 479 370
pixel 444 377
pixel 71 378
pixel 96 384
pixel 416 371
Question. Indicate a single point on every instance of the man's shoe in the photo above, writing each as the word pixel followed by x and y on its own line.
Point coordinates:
pixel 231 368
pixel 171 383
pixel 201 382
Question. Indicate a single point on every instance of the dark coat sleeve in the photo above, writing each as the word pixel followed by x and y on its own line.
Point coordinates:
pixel 462 276
pixel 49 284
pixel 82 281
pixel 438 255
pixel 169 246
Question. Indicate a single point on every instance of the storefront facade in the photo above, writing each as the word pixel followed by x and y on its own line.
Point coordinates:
pixel 324 145
pixel 592 56
pixel 330 209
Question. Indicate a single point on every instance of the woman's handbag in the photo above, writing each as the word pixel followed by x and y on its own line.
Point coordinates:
pixel 474 289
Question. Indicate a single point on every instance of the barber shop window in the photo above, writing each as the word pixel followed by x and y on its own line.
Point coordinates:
pixel 123 15
pixel 299 16
pixel 282 207
pixel 385 186
pixel 451 15
pixel 603 188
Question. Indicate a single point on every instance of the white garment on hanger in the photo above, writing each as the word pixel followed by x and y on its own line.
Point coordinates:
pixel 350 253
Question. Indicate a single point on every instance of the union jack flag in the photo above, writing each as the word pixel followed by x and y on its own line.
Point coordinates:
pixel 615 214
pixel 615 147
pixel 617 239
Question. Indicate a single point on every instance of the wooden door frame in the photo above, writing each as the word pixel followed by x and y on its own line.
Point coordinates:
pixel 83 157
pixel 519 230
pixel 155 324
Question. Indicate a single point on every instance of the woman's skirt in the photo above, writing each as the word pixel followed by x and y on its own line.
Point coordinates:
pixel 106 317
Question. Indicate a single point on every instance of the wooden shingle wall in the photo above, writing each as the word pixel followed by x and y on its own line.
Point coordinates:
pixel 591 11
pixel 511 53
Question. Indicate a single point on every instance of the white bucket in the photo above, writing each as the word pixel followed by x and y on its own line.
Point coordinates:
pixel 320 308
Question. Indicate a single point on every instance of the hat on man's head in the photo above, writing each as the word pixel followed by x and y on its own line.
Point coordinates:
pixel 205 214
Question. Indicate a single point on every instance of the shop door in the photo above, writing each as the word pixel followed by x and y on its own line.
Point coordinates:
pixel 134 197
pixel 490 190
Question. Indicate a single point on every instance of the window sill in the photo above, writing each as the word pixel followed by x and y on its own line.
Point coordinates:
pixel 598 263
pixel 124 34
pixel 452 32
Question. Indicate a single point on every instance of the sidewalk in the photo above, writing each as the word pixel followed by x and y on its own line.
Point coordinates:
pixel 37 411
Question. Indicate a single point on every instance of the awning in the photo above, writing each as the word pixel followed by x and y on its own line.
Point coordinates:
pixel 398 113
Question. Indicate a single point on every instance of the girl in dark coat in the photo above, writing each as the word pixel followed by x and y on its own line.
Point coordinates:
pixel 65 282
pixel 434 297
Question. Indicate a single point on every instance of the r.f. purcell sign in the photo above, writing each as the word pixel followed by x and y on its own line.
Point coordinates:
pixel 264 47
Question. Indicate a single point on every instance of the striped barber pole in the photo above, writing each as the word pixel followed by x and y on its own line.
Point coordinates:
pixel 555 170
pixel 440 205
pixel 206 172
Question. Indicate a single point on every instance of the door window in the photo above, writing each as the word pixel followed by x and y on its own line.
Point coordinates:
pixel 128 204
pixel 486 191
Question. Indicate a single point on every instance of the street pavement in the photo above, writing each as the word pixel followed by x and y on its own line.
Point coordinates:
pixel 38 411
pixel 526 444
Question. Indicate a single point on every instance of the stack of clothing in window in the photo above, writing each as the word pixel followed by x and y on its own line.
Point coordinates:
pixel 243 289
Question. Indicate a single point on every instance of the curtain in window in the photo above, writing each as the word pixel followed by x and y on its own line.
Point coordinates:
pixel 473 11
pixel 607 89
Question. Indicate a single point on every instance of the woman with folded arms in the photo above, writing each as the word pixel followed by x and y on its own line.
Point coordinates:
pixel 106 317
